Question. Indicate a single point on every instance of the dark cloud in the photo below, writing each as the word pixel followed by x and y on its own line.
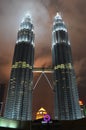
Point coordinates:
pixel 43 11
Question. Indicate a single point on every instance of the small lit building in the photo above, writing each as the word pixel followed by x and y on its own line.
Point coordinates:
pixel 40 114
pixel 83 108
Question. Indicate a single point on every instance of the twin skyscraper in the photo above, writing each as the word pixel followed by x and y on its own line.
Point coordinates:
pixel 19 98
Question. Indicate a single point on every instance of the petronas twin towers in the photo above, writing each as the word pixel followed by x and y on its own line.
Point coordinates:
pixel 19 99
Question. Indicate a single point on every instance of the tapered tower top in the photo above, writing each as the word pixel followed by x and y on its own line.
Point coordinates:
pixel 27 18
pixel 26 22
pixel 58 16
pixel 59 32
pixel 58 23
pixel 26 30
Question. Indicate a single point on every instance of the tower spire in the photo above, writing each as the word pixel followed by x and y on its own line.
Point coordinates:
pixel 27 17
pixel 58 16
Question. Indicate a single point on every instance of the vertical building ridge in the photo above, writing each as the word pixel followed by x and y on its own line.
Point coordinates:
pixel 19 100
pixel 65 87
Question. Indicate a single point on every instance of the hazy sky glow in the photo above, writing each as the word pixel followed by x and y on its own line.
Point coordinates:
pixel 43 11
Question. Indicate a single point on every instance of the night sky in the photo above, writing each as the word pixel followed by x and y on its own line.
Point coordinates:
pixel 73 13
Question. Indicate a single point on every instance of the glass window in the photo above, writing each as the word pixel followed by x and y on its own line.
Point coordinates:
pixel 62 35
pixel 57 35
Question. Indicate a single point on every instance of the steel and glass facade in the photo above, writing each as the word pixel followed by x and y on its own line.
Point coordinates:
pixel 65 87
pixel 19 98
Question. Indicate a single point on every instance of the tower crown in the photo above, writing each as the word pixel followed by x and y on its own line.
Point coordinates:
pixel 26 30
pixel 59 30
pixel 58 16
pixel 26 23
pixel 27 18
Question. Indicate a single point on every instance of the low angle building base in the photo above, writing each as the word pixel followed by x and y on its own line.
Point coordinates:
pixel 6 124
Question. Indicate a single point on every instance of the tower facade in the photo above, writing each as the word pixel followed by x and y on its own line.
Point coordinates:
pixel 65 88
pixel 2 97
pixel 19 98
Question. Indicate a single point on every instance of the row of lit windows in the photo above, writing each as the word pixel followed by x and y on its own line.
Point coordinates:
pixel 25 33
pixel 63 66
pixel 60 24
pixel 26 25
pixel 21 64
pixel 25 38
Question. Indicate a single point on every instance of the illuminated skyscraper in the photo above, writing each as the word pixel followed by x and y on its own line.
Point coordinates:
pixel 66 94
pixel 19 99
